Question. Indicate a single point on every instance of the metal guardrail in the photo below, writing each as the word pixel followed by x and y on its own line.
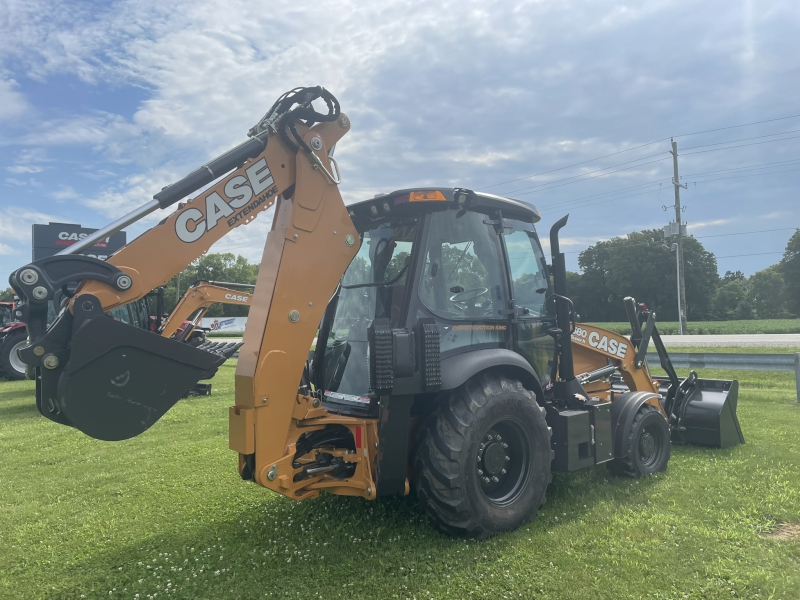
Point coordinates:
pixel 750 362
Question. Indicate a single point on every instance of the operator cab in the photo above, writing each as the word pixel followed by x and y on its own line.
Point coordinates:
pixel 469 262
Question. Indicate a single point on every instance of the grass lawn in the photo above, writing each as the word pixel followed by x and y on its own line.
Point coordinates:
pixel 716 327
pixel 165 515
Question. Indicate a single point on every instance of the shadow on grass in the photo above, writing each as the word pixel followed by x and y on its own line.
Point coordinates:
pixel 11 410
pixel 332 546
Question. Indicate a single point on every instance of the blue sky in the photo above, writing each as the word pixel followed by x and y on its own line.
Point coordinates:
pixel 102 104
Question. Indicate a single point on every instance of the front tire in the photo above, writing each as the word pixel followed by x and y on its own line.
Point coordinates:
pixel 482 462
pixel 647 446
pixel 11 365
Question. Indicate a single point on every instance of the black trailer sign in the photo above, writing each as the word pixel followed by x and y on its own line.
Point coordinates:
pixel 53 238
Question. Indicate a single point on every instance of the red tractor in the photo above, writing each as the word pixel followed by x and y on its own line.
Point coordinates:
pixel 12 337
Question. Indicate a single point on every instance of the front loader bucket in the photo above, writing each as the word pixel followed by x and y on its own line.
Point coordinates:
pixel 707 414
pixel 119 380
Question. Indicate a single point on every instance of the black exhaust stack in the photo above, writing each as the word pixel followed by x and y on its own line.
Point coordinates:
pixel 568 386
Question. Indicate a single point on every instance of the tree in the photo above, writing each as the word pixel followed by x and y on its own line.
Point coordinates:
pixel 7 295
pixel 767 294
pixel 731 301
pixel 790 269
pixel 732 276
pixel 642 265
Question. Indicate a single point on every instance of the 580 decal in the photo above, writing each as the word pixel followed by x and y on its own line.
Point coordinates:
pixel 192 224
pixel 594 339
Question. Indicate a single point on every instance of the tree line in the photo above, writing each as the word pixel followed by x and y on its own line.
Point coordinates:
pixel 643 265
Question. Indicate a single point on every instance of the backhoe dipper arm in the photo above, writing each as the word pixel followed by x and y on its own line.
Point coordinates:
pixel 200 297
pixel 113 381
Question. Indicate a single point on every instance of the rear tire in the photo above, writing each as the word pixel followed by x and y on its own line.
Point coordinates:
pixel 482 461
pixel 11 366
pixel 647 447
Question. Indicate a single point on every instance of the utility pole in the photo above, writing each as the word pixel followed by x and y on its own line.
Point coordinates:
pixel 676 182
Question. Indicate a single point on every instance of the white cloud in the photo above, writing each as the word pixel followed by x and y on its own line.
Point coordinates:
pixel 6 249
pixel 19 169
pixel 12 102
pixel 704 224
pixel 65 193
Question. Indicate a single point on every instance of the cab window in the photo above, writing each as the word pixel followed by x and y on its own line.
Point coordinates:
pixel 526 261
pixel 121 313
pixel 461 278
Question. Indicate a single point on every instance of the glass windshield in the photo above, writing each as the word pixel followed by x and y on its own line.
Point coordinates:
pixel 525 258
pixel 5 314
pixel 373 287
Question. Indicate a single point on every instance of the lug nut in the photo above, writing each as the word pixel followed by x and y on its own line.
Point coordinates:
pixel 480 472
pixel 479 458
pixel 39 293
pixel 316 143
pixel 508 458
pixel 495 479
pixel 50 361
pixel 124 282
pixel 505 445
pixel 272 473
pixel 489 437
pixel 498 437
pixel 502 471
pixel 486 480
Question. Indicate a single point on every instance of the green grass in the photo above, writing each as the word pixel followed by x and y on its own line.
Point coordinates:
pixel 716 327
pixel 166 510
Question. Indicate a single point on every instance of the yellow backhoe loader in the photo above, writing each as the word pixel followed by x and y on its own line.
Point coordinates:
pixel 448 358
pixel 184 319
pixel 182 323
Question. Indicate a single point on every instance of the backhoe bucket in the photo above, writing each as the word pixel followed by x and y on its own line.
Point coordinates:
pixel 119 379
pixel 707 414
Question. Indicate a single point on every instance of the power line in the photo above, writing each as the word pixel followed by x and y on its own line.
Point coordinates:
pixel 573 165
pixel 740 146
pixel 583 177
pixel 744 232
pixel 758 137
pixel 761 166
pixel 754 254
pixel 636 148
pixel 575 203
pixel 735 126
pixel 743 176
pixel 703 237
pixel 542 188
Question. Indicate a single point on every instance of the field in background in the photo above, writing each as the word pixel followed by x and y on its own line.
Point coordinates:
pixel 716 327
pixel 166 515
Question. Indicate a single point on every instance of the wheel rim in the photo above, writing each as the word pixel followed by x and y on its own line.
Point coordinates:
pixel 503 460
pixel 15 360
pixel 651 446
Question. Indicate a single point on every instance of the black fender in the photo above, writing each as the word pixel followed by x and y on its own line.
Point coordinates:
pixel 456 370
pixel 623 411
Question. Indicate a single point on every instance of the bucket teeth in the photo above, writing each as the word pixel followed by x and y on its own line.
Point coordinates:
pixel 224 349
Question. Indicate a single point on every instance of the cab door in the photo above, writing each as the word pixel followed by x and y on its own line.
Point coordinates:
pixel 532 297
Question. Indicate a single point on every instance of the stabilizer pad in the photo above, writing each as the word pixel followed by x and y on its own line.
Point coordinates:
pixel 120 379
